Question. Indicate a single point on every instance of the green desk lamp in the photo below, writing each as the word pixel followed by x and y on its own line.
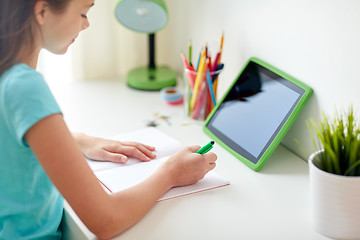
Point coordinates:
pixel 146 16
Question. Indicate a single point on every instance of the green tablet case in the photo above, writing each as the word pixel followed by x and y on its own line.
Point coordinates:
pixel 281 133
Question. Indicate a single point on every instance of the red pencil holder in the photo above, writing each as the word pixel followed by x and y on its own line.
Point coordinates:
pixel 200 92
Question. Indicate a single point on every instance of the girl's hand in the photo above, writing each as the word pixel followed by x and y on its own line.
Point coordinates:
pixel 112 151
pixel 187 167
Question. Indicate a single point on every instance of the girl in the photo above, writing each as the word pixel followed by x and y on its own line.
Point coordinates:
pixel 41 161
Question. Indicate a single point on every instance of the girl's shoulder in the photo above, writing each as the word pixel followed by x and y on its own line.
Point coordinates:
pixel 20 76
pixel 20 70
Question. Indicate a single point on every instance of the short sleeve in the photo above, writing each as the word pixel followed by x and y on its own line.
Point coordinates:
pixel 27 99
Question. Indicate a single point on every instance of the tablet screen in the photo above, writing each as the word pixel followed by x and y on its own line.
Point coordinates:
pixel 254 110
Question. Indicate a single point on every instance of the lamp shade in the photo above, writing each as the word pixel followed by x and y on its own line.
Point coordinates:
pixel 146 16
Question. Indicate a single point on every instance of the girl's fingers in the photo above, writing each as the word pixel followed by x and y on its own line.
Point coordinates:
pixel 112 157
pixel 134 152
pixel 146 149
pixel 132 149
pixel 210 157
pixel 194 148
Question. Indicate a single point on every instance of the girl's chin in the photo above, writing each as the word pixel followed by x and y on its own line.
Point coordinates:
pixel 59 51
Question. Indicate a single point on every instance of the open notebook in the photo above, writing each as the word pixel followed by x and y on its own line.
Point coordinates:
pixel 116 177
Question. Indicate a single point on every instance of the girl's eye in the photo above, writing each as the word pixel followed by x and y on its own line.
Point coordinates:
pixel 83 16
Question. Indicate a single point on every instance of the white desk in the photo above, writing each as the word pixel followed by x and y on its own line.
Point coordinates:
pixel 270 204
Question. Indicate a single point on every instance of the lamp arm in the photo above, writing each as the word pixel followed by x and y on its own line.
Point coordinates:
pixel 152 51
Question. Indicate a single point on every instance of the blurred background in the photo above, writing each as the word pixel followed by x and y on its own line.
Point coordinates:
pixel 315 41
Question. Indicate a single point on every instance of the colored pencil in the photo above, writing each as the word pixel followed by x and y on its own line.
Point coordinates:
pixel 198 80
pixel 186 64
pixel 210 86
pixel 202 80
pixel 219 61
pixel 190 50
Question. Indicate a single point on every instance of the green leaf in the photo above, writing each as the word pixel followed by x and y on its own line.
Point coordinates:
pixel 340 139
pixel 352 167
pixel 333 160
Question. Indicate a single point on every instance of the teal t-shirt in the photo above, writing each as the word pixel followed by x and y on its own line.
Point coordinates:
pixel 30 205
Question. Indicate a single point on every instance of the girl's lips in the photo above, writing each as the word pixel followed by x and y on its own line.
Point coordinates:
pixel 73 39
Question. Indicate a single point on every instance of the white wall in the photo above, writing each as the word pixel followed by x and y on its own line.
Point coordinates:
pixel 317 42
pixel 107 49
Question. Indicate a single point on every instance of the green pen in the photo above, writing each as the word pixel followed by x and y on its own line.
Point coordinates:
pixel 206 148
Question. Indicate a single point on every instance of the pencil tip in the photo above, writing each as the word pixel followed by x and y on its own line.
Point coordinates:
pixel 212 142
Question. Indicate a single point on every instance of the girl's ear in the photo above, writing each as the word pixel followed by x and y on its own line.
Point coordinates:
pixel 41 10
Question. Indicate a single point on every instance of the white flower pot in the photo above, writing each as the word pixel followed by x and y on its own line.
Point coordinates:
pixel 335 203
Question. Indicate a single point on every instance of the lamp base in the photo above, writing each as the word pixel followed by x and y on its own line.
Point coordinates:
pixel 144 78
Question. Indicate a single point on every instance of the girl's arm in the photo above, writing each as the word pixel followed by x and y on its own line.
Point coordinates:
pixel 107 215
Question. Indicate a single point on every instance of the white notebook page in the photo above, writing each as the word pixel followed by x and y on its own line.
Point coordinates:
pixel 117 177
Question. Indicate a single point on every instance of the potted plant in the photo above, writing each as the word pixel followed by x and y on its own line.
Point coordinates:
pixel 335 176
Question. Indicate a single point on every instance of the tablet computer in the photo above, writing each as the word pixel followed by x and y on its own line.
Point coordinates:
pixel 256 112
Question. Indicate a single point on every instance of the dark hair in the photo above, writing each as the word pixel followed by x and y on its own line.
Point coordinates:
pixel 17 27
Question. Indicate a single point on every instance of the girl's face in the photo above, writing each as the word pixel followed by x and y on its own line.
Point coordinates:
pixel 59 30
